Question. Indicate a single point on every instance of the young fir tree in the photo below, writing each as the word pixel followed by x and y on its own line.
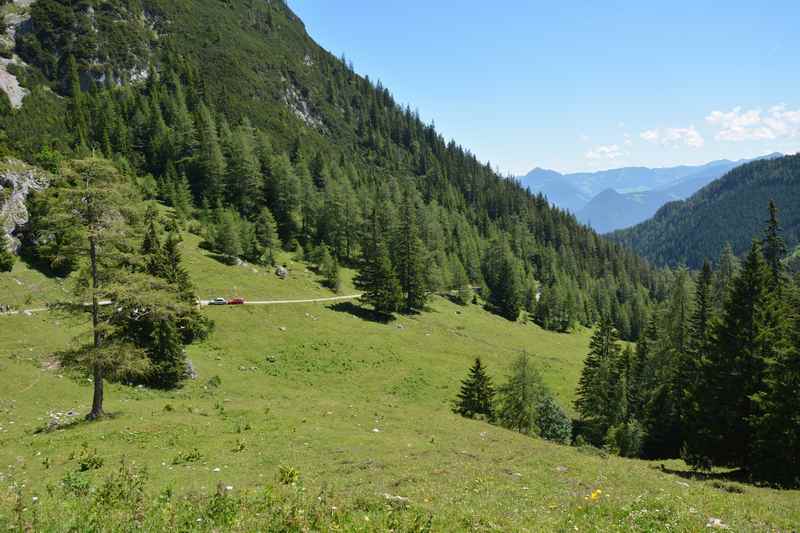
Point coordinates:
pixel 7 258
pixel 520 396
pixel 329 268
pixel 376 277
pixel 409 256
pixel 476 397
pixel 597 387
pixel 172 269
pixel 151 244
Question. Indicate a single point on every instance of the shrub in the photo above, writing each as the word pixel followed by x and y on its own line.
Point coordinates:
pixel 553 422
pixel 625 439
pixel 288 475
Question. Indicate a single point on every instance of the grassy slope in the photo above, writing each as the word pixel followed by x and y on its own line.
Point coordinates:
pixel 307 385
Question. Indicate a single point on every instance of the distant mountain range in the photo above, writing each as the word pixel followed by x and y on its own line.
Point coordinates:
pixel 730 209
pixel 618 198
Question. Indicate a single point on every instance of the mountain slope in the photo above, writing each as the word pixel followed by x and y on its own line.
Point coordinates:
pixel 730 209
pixel 640 190
pixel 611 210
pixel 559 191
pixel 242 85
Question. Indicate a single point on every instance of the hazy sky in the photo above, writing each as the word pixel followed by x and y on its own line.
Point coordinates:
pixel 582 85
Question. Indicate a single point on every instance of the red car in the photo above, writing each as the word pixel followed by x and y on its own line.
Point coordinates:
pixel 236 301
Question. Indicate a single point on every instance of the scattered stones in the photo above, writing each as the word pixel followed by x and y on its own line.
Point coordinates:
pixel 716 523
pixel 190 370
pixel 396 501
pixel 282 272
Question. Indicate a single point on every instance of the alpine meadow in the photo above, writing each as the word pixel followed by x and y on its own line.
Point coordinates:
pixel 244 288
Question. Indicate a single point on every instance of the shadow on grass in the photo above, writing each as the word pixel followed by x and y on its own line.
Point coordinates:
pixel 76 422
pixel 361 312
pixel 224 259
pixel 738 475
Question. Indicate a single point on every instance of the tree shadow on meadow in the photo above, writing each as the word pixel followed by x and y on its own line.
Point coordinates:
pixel 361 312
pixel 737 475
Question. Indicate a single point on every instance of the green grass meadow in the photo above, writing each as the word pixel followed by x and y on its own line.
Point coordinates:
pixel 359 410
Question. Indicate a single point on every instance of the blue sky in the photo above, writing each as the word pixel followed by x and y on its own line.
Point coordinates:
pixel 582 85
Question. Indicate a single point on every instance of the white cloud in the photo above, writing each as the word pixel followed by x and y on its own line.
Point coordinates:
pixel 611 151
pixel 584 137
pixel 674 137
pixel 650 135
pixel 755 124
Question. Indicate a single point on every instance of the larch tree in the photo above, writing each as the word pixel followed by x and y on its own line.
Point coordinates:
pixel 519 397
pixel 91 204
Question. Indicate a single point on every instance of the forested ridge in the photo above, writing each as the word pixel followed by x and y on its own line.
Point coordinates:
pixel 729 209
pixel 229 112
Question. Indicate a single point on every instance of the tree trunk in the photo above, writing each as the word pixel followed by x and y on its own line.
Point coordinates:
pixel 97 371
pixel 97 398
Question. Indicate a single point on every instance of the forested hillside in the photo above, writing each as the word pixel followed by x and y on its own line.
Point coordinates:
pixel 229 112
pixel 730 209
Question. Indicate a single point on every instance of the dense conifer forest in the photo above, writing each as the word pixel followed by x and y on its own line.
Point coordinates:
pixel 272 141
pixel 728 210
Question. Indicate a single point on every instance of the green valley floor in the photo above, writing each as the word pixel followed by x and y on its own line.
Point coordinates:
pixel 313 416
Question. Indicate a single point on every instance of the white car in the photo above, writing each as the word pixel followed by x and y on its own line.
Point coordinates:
pixel 218 301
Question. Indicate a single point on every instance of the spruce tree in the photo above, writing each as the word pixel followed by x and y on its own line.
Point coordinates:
pixel 172 269
pixel 151 244
pixel 728 269
pixel 734 370
pixel 776 427
pixel 597 388
pixel 376 277
pixel 409 254
pixel 476 396
pixel 774 246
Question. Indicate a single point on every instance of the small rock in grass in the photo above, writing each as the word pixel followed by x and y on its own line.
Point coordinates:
pixel 376 430
pixel 716 523
pixel 282 328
